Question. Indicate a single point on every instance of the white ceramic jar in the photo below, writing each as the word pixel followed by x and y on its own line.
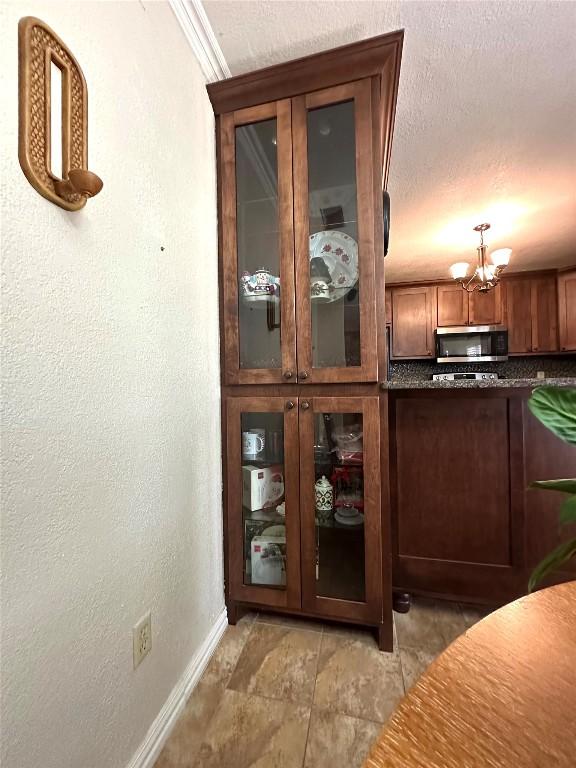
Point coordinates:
pixel 324 495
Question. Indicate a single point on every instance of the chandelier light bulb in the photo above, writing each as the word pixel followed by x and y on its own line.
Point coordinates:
pixel 489 272
pixel 501 257
pixel 485 276
pixel 459 270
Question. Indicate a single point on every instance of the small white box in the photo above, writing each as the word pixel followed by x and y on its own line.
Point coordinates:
pixel 262 486
pixel 268 560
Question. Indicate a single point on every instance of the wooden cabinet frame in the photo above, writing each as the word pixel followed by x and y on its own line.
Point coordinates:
pixel 299 480
pixel 402 346
pixel 262 595
pixel 360 93
pixel 232 373
pixel 367 72
pixel 369 610
pixel 566 315
pixel 460 579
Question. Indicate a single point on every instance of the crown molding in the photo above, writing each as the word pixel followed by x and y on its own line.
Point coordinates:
pixel 200 35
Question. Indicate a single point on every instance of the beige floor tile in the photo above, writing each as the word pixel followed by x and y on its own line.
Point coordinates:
pixel 229 648
pixel 184 741
pixel 431 625
pixel 278 662
pixel 338 741
pixel 356 679
pixel 254 732
pixel 414 662
pixel 290 621
pixel 361 633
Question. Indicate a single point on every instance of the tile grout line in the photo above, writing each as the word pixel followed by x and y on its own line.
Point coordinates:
pixel 313 694
pixel 395 636
pixel 290 626
pixel 227 681
pixel 241 652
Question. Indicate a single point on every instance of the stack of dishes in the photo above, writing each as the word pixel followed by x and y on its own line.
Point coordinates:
pixel 348 515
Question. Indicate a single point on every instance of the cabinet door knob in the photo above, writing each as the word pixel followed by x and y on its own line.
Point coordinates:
pixel 288 375
pixel 305 405
pixel 303 375
pixel 289 405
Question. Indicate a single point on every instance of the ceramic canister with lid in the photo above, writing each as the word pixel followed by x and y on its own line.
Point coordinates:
pixel 324 494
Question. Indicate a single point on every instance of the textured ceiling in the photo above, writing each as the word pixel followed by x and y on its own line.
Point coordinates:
pixel 485 124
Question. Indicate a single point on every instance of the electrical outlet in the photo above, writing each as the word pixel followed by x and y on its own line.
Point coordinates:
pixel 142 638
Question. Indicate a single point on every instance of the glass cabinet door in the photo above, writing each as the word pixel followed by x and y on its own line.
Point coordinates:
pixel 334 234
pixel 340 506
pixel 262 500
pixel 258 245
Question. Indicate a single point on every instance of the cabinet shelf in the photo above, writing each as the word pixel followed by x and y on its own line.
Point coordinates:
pixel 336 526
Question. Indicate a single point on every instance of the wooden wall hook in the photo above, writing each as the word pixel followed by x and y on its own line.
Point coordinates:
pixel 38 48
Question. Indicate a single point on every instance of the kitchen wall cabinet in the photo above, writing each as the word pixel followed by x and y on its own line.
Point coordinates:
pixel 567 310
pixel 531 314
pixel 458 307
pixel 537 308
pixel 413 322
pixel 544 314
pixel 388 304
pixel 303 153
pixel 518 319
pixel 452 305
pixel 465 525
pixel 485 308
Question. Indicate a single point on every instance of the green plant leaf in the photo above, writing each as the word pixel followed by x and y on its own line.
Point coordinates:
pixel 565 486
pixel 552 561
pixel 555 407
pixel 568 511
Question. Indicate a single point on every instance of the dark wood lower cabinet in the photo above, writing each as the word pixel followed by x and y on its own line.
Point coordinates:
pixel 455 465
pixel 451 461
pixel 547 457
pixel 302 559
pixel 464 524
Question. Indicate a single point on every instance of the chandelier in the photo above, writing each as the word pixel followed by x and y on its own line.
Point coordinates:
pixel 486 275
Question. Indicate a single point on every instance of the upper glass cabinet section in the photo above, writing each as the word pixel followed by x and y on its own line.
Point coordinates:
pixel 297 219
pixel 257 239
pixel 334 203
pixel 333 228
pixel 258 245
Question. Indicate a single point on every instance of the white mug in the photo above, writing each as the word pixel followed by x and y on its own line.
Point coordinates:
pixel 260 432
pixel 252 444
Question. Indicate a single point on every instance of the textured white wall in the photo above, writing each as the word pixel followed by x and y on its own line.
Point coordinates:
pixel 111 490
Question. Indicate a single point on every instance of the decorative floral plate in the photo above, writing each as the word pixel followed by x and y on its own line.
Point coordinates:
pixel 340 255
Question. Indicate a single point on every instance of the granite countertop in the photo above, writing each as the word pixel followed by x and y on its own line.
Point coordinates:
pixel 478 384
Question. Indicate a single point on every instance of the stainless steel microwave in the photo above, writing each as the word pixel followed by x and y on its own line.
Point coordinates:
pixel 471 344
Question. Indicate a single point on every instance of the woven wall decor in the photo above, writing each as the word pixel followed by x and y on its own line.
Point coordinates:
pixel 38 48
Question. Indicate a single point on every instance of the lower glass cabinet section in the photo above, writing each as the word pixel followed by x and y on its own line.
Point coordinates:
pixel 339 505
pixel 303 504
pixel 263 505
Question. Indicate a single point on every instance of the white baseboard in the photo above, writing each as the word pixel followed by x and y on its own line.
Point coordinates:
pixel 147 753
